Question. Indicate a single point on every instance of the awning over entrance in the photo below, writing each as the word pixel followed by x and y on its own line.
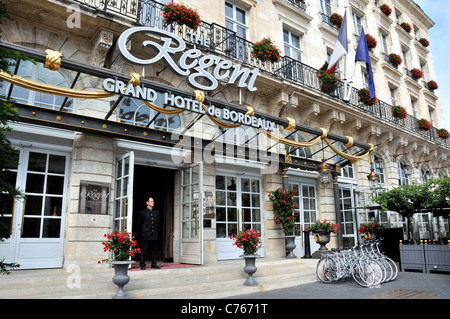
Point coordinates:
pixel 196 107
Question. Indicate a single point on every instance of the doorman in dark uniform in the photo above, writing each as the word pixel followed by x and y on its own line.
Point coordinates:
pixel 148 224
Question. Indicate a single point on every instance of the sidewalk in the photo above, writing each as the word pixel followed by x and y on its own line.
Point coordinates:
pixel 408 285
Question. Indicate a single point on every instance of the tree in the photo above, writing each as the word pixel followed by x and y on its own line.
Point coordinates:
pixel 8 155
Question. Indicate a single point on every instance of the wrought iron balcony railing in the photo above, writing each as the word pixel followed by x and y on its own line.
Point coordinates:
pixel 227 42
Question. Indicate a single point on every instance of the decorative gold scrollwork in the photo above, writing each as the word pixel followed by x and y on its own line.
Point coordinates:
pixel 53 59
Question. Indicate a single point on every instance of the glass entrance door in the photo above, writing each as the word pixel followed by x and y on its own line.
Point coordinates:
pixel 238 207
pixel 37 230
pixel 192 214
pixel 347 203
pixel 123 212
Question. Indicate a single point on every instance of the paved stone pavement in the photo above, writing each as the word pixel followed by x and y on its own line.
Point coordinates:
pixel 408 285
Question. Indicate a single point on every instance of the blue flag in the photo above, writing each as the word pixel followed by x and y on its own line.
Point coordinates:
pixel 362 54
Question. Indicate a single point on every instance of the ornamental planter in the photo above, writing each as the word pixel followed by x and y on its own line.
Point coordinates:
pixel 424 125
pixel 181 15
pixel 424 42
pixel 412 257
pixel 266 51
pixel 250 268
pixel 371 42
pixel 443 133
pixel 386 9
pixel 364 97
pixel 416 74
pixel 336 19
pixel 322 237
pixel 437 257
pixel 121 277
pixel 399 112
pixel 395 59
pixel 432 85
pixel 290 246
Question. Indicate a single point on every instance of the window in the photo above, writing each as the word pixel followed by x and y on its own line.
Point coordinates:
pixel 403 174
pixel 432 116
pixel 134 111
pixel 303 152
pixel 423 68
pixel 292 45
pixel 357 23
pixel 384 43
pixel 326 7
pixel 379 168
pixel 414 107
pixel 405 58
pixel 393 93
pixel 236 20
pixel 365 79
pixel 37 72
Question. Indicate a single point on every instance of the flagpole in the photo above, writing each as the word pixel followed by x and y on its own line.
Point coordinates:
pixel 350 84
pixel 345 61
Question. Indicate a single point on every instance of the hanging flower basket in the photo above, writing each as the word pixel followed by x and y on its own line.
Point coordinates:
pixel 395 59
pixel 406 26
pixel 386 9
pixel 371 42
pixel 336 19
pixel 265 50
pixel 181 15
pixel 432 85
pixel 364 97
pixel 416 74
pixel 424 42
pixel 443 133
pixel 424 125
pixel 327 78
pixel 399 112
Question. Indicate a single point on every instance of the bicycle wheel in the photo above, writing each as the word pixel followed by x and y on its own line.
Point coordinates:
pixel 377 271
pixel 393 266
pixel 362 274
pixel 388 269
pixel 322 270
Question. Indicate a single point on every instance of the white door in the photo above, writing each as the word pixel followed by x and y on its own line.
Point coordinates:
pixel 123 212
pixel 37 221
pixel 192 214
pixel 238 207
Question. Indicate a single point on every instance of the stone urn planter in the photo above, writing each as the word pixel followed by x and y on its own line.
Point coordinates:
pixel 290 246
pixel 121 277
pixel 250 268
pixel 322 237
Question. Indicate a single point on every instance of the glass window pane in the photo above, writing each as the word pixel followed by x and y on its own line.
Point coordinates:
pixel 55 185
pixel 57 164
pixel 35 183
pixel 37 162
pixel 53 206
pixel 31 228
pixel 221 214
pixel 52 228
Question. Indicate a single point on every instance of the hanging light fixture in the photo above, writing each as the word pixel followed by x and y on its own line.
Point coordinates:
pixel 373 179
pixel 324 173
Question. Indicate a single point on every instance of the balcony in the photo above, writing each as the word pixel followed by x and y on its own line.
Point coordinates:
pixel 224 41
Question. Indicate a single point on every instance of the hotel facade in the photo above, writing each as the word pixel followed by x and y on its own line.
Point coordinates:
pixel 120 105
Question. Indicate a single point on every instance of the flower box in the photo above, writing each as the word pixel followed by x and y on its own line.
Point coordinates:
pixel 437 257
pixel 443 133
pixel 181 15
pixel 416 74
pixel 395 59
pixel 399 112
pixel 265 50
pixel 364 97
pixel 432 85
pixel 424 125
pixel 424 42
pixel 336 19
pixel 406 27
pixel 386 9
pixel 412 257
pixel 371 42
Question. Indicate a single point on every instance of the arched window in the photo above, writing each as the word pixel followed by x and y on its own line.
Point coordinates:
pixel 302 152
pixel 134 111
pixel 37 72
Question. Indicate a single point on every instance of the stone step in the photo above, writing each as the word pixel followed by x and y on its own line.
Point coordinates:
pixel 215 280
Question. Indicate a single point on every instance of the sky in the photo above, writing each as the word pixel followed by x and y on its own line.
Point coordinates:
pixel 439 12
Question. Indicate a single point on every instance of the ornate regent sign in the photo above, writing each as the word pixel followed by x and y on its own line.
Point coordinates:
pixel 191 64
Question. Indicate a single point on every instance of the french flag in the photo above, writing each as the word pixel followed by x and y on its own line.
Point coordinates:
pixel 341 47
pixel 362 54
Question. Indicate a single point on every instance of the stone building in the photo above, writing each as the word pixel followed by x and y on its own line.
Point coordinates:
pixel 93 146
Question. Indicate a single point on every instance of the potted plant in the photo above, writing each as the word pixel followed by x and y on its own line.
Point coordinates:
pixel 364 97
pixel 371 42
pixel 369 229
pixel 424 42
pixel 416 74
pixel 406 27
pixel 399 112
pixel 327 78
pixel 395 59
pixel 386 9
pixel 181 15
pixel 322 231
pixel 265 50
pixel 432 85
pixel 443 133
pixel 250 241
pixel 336 19
pixel 283 207
pixel 122 246
pixel 424 125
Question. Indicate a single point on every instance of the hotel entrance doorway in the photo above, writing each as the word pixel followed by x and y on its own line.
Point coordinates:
pixel 159 184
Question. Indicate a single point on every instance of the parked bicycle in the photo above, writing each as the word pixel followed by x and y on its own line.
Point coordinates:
pixel 365 263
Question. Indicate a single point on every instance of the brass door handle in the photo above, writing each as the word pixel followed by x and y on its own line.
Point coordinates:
pixel 196 219
pixel 23 215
